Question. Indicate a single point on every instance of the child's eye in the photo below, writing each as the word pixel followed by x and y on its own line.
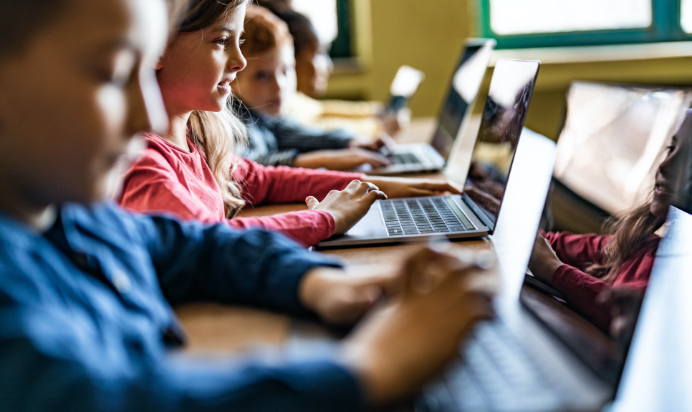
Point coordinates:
pixel 262 76
pixel 222 42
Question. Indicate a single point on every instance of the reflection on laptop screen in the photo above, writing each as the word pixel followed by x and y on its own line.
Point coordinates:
pixel 462 93
pixel 498 137
pixel 621 306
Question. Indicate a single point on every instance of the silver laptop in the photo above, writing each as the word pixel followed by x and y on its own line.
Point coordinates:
pixel 535 358
pixel 463 90
pixel 475 212
pixel 657 371
pixel 537 355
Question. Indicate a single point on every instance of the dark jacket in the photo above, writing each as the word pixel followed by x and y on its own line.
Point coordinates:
pixel 275 141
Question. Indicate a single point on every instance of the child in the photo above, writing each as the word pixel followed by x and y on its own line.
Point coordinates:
pixel 186 171
pixel 583 267
pixel 266 85
pixel 313 68
pixel 83 320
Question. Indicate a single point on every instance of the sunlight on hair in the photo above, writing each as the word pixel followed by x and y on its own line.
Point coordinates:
pixel 322 14
pixel 549 16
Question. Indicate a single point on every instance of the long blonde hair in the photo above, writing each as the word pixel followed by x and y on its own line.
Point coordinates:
pixel 218 135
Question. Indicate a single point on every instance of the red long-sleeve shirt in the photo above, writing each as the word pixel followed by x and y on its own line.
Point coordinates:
pixel 170 179
pixel 578 252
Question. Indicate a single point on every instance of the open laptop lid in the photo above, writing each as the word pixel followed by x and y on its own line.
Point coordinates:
pixel 658 371
pixel 463 90
pixel 404 86
pixel 673 261
pixel 498 137
pixel 660 348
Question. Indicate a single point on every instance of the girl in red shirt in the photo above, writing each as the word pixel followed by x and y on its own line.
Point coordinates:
pixel 191 170
pixel 583 267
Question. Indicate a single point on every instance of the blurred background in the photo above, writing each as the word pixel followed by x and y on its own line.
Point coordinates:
pixel 643 42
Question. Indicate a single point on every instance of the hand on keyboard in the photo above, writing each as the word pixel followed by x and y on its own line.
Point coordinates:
pixel 383 144
pixel 401 345
pixel 347 206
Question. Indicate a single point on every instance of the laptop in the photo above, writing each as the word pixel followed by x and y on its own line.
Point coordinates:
pixel 532 359
pixel 539 356
pixel 475 212
pixel 463 90
pixel 404 86
pixel 657 372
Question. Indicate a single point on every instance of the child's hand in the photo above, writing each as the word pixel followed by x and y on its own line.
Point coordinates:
pixel 347 206
pixel 395 187
pixel 401 345
pixel 345 159
pixel 341 298
pixel 544 262
pixel 382 142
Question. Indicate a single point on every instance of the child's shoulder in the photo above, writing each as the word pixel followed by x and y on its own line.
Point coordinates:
pixel 159 152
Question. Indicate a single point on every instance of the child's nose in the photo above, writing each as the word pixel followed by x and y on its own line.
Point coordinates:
pixel 236 61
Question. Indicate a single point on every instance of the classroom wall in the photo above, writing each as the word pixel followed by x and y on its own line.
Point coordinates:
pixel 401 34
pixel 428 35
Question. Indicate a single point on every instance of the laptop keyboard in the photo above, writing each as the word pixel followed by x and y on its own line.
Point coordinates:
pixel 421 216
pixel 404 158
pixel 495 374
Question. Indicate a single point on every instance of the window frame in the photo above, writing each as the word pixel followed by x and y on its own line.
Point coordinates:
pixel 342 47
pixel 665 27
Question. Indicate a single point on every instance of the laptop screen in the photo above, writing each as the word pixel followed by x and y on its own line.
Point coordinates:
pixel 466 82
pixel 606 357
pixel 501 125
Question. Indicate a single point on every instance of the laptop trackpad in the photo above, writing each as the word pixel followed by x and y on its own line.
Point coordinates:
pixel 370 225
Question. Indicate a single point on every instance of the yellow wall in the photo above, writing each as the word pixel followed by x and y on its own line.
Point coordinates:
pixel 428 36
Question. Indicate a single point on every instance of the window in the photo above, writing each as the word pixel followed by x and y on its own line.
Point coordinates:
pixel 546 23
pixel 332 21
pixel 686 15
pixel 322 14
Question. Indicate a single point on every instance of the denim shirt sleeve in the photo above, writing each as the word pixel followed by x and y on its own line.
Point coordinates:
pixel 281 158
pixel 70 342
pixel 262 146
pixel 290 134
pixel 46 364
pixel 198 262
